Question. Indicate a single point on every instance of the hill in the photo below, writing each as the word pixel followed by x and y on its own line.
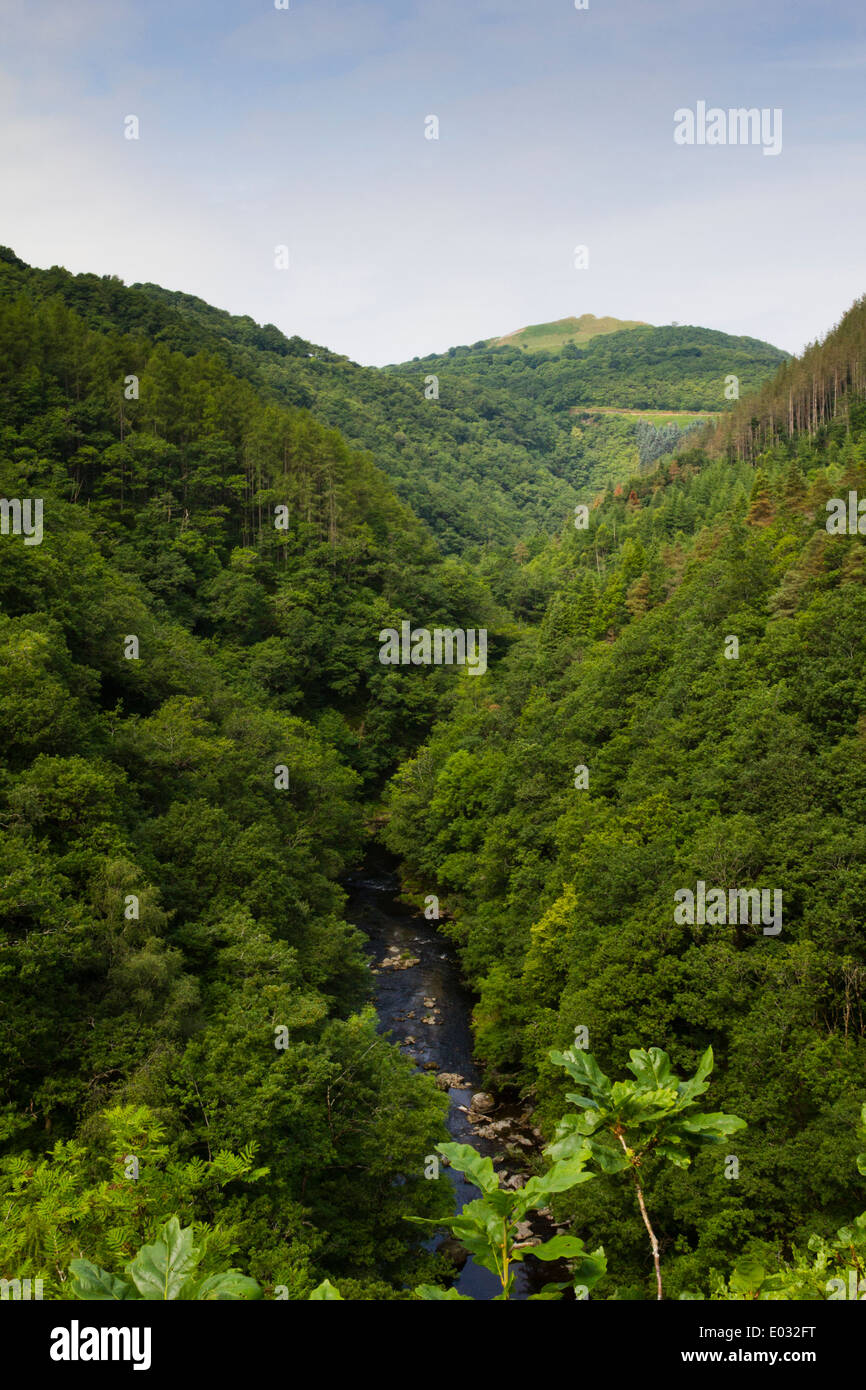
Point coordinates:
pixel 551 337
pixel 496 457
pixel 673 368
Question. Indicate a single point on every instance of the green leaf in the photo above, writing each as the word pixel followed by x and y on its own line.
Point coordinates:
pixel 560 1247
pixel 748 1276
pixel 697 1084
pixel 608 1155
pixel 652 1068
pixel 89 1281
pixel 326 1292
pixel 673 1150
pixel 561 1177
pixel 431 1292
pixel 469 1161
pixel 230 1285
pixel 549 1292
pixel 479 1230
pixel 708 1128
pixel 583 1067
pixel 159 1271
pixel 570 1140
pixel 588 1103
pixel 587 1271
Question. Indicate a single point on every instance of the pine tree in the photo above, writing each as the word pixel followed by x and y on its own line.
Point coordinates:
pixel 637 597
pixel 793 486
pixel 760 511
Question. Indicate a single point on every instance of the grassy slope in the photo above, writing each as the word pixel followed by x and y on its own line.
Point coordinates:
pixel 551 337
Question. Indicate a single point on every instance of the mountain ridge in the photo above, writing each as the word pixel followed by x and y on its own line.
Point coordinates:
pixel 491 457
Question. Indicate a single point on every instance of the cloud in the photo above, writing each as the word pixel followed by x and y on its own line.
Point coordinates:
pixel 307 127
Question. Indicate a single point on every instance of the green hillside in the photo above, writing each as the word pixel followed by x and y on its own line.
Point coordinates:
pixel 627 750
pixel 551 337
pixel 680 368
pixel 194 715
pixel 497 457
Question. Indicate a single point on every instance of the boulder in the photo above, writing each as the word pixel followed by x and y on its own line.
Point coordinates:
pixel 446 1079
pixel 480 1107
pixel 398 962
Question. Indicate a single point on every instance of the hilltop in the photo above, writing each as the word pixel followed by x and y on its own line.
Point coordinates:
pixel 552 337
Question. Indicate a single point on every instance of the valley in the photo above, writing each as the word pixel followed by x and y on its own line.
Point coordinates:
pixel 263 1035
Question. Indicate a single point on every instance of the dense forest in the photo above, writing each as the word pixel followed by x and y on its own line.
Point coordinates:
pixel 490 460
pixel 625 750
pixel 201 741
pixel 167 901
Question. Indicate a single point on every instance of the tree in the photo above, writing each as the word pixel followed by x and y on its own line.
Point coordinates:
pixel 834 1268
pixel 760 511
pixel 638 596
pixel 625 1123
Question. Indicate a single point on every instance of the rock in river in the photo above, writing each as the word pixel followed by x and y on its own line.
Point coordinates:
pixel 480 1106
pixel 446 1079
pixel 483 1100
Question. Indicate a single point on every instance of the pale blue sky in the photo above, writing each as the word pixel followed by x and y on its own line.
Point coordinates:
pixel 306 127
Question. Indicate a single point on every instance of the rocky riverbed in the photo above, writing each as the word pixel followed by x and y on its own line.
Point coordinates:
pixel 424 1005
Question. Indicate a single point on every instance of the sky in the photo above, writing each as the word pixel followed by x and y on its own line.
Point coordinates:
pixel 306 128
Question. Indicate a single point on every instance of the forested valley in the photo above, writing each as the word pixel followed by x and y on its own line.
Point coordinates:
pixel 201 745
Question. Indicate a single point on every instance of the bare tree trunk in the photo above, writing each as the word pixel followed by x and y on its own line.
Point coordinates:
pixel 646 1221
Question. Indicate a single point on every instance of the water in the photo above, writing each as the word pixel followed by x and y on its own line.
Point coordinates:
pixel 388 923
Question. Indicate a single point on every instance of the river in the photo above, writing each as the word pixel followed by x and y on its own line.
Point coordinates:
pixel 446 1046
